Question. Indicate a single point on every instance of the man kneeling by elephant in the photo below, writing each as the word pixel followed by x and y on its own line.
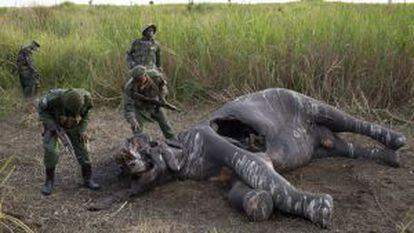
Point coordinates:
pixel 144 95
pixel 65 111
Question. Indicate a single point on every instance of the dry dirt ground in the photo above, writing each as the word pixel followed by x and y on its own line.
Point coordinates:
pixel 368 197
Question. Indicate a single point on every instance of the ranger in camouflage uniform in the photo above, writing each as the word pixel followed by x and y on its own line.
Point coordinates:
pixel 145 51
pixel 29 78
pixel 67 109
pixel 142 100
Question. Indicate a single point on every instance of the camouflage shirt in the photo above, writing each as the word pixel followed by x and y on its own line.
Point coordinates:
pixel 144 52
pixel 51 107
pixel 26 68
pixel 152 90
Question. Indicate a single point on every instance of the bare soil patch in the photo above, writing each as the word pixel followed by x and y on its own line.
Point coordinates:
pixel 368 197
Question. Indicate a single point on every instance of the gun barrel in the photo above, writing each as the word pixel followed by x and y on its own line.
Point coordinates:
pixel 172 107
pixel 64 139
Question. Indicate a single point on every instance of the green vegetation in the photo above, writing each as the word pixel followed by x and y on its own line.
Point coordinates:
pixel 341 53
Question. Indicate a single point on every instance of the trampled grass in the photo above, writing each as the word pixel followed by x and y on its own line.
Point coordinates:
pixel 340 53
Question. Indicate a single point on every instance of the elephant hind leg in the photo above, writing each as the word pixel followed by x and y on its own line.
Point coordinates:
pixel 333 145
pixel 338 121
pixel 256 204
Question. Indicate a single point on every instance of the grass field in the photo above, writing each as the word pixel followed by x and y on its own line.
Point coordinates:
pixel 351 55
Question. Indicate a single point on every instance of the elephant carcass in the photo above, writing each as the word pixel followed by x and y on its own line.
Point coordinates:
pixel 258 136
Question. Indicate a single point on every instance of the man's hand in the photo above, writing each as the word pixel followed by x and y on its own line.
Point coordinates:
pixel 138 96
pixel 49 130
pixel 68 122
pixel 135 126
pixel 49 126
pixel 83 137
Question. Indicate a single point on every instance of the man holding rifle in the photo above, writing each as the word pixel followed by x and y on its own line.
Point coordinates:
pixel 146 50
pixel 64 114
pixel 143 100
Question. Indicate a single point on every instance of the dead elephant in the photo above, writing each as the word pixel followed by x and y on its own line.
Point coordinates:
pixel 256 137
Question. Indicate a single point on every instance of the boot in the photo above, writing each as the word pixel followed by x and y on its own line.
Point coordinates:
pixel 50 179
pixel 87 178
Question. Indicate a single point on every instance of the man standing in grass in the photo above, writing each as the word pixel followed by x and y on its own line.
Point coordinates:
pixel 145 51
pixel 29 78
pixel 143 100
pixel 65 111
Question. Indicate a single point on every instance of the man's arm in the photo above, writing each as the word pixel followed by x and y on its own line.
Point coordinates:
pixel 30 64
pixel 83 124
pixel 158 57
pixel 130 55
pixel 46 115
pixel 142 97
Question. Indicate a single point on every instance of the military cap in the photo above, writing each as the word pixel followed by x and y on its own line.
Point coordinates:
pixel 138 71
pixel 154 73
pixel 35 44
pixel 146 27
pixel 73 101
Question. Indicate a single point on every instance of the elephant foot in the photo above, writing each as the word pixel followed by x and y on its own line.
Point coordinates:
pixel 258 205
pixel 397 142
pixel 390 157
pixel 319 209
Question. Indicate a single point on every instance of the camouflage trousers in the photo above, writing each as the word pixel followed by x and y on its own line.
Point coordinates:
pixel 29 87
pixel 51 155
pixel 29 91
pixel 156 115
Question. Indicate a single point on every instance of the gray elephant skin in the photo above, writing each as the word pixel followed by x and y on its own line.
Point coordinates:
pixel 250 141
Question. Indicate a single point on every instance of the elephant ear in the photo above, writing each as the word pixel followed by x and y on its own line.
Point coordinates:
pixel 169 154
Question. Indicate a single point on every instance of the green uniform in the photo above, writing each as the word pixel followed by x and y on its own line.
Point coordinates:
pixel 140 111
pixel 29 78
pixel 51 107
pixel 144 52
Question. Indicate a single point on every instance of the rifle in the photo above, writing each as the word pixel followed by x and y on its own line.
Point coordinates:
pixel 64 139
pixel 163 104
pixel 169 106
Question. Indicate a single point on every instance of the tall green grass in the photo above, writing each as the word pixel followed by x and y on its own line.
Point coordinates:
pixel 340 53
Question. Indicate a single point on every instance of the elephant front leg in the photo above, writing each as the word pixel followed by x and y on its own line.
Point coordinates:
pixel 338 121
pixel 257 174
pixel 256 204
pixel 318 208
